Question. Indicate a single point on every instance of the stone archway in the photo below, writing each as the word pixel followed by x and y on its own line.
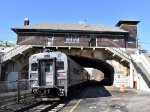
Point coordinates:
pixel 101 65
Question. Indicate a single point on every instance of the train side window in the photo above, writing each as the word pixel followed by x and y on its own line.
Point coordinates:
pixel 34 66
pixel 60 65
pixel 76 71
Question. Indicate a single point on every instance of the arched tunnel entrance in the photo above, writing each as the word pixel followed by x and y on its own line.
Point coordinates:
pixel 101 65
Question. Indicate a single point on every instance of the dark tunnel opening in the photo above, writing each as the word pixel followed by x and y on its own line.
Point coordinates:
pixel 101 65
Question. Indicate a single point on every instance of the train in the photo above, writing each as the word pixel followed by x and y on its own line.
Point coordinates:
pixel 52 74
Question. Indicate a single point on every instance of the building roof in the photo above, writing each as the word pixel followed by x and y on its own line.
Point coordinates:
pixel 69 27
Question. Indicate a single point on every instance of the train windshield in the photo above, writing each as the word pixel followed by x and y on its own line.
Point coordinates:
pixel 60 65
pixel 34 66
pixel 48 67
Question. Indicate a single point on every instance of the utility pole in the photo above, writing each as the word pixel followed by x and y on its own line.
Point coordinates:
pixel 6 43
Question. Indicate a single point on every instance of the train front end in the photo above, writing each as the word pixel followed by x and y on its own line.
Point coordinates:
pixel 48 75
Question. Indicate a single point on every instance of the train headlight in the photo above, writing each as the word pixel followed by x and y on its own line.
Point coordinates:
pixel 33 76
pixel 33 82
pixel 34 57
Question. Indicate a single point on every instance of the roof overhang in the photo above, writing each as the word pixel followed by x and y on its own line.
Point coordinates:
pixel 65 31
pixel 129 22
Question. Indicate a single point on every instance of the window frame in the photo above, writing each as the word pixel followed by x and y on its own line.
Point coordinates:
pixel 33 67
pixel 130 40
pixel 49 39
pixel 71 38
pixel 115 39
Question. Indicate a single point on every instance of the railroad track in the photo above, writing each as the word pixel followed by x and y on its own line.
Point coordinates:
pixel 43 107
pixel 54 106
pixel 11 99
pixel 14 106
pixel 51 106
pixel 32 105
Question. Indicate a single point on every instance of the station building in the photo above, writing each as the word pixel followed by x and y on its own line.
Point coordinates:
pixel 124 35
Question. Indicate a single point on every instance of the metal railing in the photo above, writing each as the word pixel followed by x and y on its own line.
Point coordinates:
pixel 7 86
pixel 145 62
pixel 16 50
pixel 12 86
pixel 16 90
pixel 139 70
pixel 119 50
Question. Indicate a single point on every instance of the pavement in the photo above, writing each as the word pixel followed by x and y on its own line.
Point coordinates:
pixel 109 99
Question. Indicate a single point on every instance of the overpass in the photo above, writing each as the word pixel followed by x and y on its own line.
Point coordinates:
pixel 93 57
pixel 113 62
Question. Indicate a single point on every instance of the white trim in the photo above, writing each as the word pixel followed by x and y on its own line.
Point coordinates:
pixel 50 43
pixel 68 35
pixel 93 36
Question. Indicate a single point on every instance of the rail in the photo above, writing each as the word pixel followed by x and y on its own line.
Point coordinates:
pixel 119 50
pixel 139 70
pixel 13 91
pixel 145 62
pixel 12 86
pixel 16 50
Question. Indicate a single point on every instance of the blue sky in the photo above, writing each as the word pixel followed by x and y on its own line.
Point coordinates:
pixel 105 12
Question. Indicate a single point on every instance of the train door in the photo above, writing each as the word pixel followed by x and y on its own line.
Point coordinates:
pixel 47 74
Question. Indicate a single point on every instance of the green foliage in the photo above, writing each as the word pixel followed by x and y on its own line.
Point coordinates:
pixel 7 43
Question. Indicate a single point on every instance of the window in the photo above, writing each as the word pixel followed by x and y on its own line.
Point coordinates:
pixel 50 40
pixel 48 67
pixel 93 40
pixel 115 39
pixel 76 71
pixel 34 66
pixel 72 38
pixel 60 65
pixel 130 39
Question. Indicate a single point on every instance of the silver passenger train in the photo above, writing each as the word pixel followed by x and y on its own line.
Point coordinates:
pixel 52 74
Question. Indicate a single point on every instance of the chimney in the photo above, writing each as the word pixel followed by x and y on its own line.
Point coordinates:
pixel 130 26
pixel 26 21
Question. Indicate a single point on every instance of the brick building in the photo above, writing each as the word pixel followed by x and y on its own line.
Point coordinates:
pixel 124 35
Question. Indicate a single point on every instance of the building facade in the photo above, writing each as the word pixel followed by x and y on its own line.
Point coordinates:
pixel 86 35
